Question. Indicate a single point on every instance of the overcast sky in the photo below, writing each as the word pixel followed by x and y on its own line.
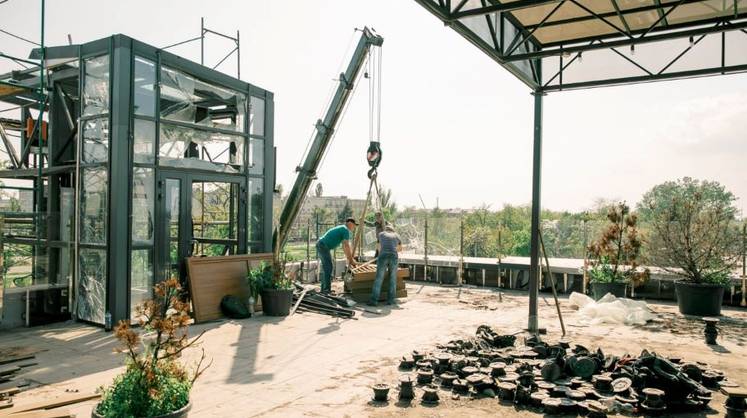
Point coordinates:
pixel 455 126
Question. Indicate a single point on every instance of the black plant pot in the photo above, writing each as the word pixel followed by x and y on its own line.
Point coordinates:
pixel 276 302
pixel 180 413
pixel 601 289
pixel 699 299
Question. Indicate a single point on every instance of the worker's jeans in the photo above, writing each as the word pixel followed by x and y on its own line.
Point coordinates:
pixel 385 261
pixel 326 256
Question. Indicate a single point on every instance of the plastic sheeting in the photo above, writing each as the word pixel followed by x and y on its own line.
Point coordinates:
pixel 610 310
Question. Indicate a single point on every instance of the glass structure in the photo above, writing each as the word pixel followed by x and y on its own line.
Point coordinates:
pixel 146 159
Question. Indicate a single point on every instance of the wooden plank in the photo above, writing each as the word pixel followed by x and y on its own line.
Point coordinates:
pixel 211 278
pixel 12 359
pixel 4 371
pixel 52 403
pixel 51 413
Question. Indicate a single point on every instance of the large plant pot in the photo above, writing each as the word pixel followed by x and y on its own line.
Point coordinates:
pixel 181 413
pixel 276 302
pixel 699 299
pixel 601 289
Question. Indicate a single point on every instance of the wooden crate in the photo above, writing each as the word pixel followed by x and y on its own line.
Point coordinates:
pixel 362 284
pixel 211 278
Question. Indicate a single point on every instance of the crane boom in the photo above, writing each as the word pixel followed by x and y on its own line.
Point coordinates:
pixel 324 131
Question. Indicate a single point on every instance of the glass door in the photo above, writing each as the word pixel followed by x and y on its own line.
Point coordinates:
pixel 200 215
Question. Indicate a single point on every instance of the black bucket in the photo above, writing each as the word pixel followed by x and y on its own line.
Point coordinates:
pixel 276 302
pixel 601 289
pixel 699 299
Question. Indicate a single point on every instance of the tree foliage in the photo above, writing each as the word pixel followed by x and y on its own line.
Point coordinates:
pixel 693 229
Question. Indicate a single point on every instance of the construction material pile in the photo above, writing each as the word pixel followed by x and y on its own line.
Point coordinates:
pixel 555 378
pixel 310 300
pixel 610 310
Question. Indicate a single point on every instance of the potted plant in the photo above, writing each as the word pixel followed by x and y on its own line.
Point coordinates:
pixel 615 255
pixel 274 286
pixel 694 236
pixel 154 384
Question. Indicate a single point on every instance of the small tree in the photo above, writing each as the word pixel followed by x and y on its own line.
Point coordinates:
pixel 615 255
pixel 693 229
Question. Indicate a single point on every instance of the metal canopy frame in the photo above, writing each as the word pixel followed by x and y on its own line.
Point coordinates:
pixel 627 42
pixel 612 38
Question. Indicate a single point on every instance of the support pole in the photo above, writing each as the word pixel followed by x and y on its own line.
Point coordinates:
pixel 202 41
pixel 534 247
pixel 744 265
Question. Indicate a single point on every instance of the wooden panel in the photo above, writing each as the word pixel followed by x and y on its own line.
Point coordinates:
pixel 362 284
pixel 211 278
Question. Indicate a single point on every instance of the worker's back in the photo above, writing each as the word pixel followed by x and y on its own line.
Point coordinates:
pixel 389 241
pixel 335 236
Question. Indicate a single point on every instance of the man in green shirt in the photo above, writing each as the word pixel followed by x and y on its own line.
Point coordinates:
pixel 341 234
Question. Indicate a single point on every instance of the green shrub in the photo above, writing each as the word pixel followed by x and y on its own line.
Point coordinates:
pixel 128 396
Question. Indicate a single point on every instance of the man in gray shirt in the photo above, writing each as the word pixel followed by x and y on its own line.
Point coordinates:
pixel 389 246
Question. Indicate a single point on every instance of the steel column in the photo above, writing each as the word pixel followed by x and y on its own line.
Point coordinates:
pixel 536 205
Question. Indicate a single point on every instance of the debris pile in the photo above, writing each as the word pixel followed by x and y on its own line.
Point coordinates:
pixel 556 378
pixel 610 310
pixel 309 300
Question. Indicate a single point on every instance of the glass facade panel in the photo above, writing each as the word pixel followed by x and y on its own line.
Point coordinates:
pixel 93 205
pixel 141 277
pixel 214 208
pixel 96 140
pixel 171 224
pixel 91 289
pixel 257 116
pixel 144 87
pixel 144 147
pixel 96 86
pixel 256 164
pixel 185 98
pixel 143 206
pixel 193 148
pixel 255 210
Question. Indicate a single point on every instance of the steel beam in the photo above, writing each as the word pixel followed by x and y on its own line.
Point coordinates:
pixel 501 7
pixel 534 246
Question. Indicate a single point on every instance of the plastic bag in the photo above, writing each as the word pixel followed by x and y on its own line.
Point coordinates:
pixel 610 310
pixel 234 308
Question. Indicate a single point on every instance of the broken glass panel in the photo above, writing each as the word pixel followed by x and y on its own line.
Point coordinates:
pixel 91 289
pixel 257 116
pixel 144 87
pixel 93 205
pixel 143 201
pixel 188 99
pixel 194 148
pixel 256 210
pixel 96 140
pixel 256 156
pixel 141 278
pixel 96 86
pixel 144 147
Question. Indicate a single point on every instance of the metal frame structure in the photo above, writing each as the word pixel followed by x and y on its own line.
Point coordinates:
pixel 556 45
pixel 68 158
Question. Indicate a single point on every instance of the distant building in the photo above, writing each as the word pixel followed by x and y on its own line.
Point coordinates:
pixel 333 204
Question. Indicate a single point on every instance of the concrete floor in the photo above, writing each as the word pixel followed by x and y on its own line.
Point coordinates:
pixel 313 365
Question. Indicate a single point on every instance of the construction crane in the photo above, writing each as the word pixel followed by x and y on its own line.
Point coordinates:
pixel 324 132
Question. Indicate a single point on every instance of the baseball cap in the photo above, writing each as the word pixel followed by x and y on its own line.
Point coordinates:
pixel 351 220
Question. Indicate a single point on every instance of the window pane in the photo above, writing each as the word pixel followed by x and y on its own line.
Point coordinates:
pixel 145 87
pixel 141 278
pixel 144 147
pixel 143 201
pixel 257 116
pixel 193 148
pixel 93 205
pixel 91 288
pixel 187 99
pixel 96 140
pixel 256 210
pixel 96 86
pixel 214 209
pixel 256 156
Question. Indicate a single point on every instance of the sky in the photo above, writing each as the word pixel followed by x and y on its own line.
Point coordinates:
pixel 456 128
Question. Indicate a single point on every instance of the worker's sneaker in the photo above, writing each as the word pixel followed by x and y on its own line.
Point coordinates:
pixel 374 304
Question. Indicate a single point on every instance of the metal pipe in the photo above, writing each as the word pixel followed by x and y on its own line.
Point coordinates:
pixel 552 283
pixel 534 247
